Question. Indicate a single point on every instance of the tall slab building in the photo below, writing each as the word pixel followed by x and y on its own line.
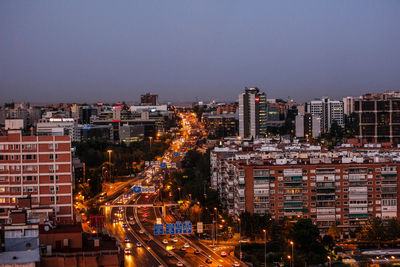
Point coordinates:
pixel 252 113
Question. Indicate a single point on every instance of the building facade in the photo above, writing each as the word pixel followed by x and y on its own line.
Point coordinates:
pixel 149 100
pixel 328 110
pixel 252 113
pixel 308 125
pixel 36 166
pixel 343 188
pixel 379 118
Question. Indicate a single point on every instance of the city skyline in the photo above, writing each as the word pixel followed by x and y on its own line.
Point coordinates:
pixel 208 50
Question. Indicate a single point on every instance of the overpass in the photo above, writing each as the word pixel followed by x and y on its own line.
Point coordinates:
pixel 153 205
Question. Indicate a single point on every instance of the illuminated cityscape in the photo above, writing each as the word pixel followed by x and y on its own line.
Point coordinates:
pixel 199 134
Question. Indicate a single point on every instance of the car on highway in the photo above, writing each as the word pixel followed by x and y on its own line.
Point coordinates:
pixel 208 261
pixel 165 241
pixel 141 231
pixel 236 264
pixel 223 254
pixel 169 255
pixel 196 252
pixel 127 240
pixel 125 225
pixel 121 219
pixel 186 245
pixel 175 240
pixel 115 221
pixel 183 249
pixel 138 244
pixel 127 251
pixel 179 263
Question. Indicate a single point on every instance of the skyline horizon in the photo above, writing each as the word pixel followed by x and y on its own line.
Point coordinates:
pixel 188 101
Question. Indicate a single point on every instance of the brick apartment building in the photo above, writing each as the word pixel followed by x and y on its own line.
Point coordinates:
pixel 36 166
pixel 343 188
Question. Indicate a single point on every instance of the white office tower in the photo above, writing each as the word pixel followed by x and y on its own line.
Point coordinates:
pixel 328 110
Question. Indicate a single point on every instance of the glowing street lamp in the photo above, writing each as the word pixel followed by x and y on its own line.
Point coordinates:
pixel 265 247
pixel 292 244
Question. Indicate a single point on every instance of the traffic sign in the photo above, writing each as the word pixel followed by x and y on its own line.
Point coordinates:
pixel 187 227
pixel 163 165
pixel 170 228
pixel 178 227
pixel 158 229
pixel 137 189
pixel 200 227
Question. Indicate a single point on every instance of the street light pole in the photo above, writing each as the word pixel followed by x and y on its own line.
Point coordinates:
pixel 150 138
pixel 292 244
pixel 109 161
pixel 265 247
pixel 216 222
pixel 240 240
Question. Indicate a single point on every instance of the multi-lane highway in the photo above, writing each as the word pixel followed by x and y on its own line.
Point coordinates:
pixel 134 226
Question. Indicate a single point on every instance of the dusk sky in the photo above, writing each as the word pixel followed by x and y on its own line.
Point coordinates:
pixel 88 51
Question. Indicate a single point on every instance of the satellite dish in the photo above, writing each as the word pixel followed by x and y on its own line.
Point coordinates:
pixel 46 228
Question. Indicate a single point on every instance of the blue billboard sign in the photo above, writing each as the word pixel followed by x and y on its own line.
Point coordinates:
pixel 170 228
pixel 187 227
pixel 178 227
pixel 137 189
pixel 158 229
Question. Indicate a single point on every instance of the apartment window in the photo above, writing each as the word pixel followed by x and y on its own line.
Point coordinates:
pixel 338 203
pixel 51 189
pixel 2 189
pixel 369 195
pixel 2 200
pixel 51 156
pixel 16 147
pixel 1 157
pixel 51 199
pixel 378 182
pixel 57 199
pixel 378 196
pixel 51 178
pixel 370 183
pixel 57 188
pixel 344 196
pixel 11 147
pixel 345 189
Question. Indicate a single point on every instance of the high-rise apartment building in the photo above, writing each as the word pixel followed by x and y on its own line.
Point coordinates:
pixel 252 113
pixel 36 166
pixel 379 117
pixel 308 125
pixel 328 110
pixel 348 105
pixel 342 188
pixel 149 100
